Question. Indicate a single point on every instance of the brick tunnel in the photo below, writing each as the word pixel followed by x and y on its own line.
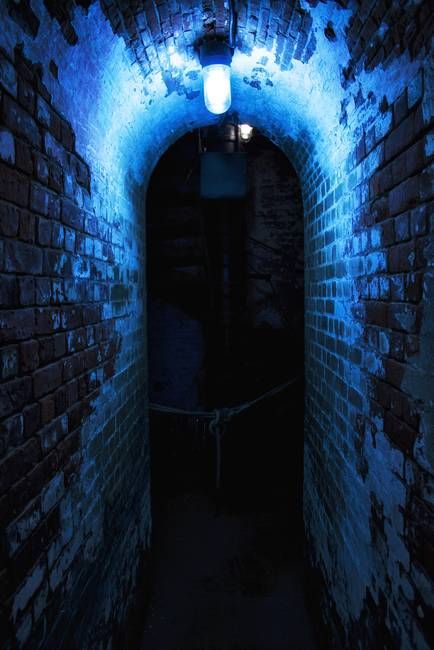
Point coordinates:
pixel 96 97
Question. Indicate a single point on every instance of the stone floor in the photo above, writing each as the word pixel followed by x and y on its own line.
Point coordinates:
pixel 225 579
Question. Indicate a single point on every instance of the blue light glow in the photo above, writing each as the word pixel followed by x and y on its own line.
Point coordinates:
pixel 217 88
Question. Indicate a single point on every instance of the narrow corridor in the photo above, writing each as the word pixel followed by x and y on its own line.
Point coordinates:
pixel 228 565
pixel 231 580
pixel 199 201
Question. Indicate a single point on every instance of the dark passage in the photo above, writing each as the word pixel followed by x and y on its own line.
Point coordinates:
pixel 228 568
pixel 225 310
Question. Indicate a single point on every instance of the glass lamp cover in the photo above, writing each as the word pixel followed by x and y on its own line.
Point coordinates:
pixel 217 87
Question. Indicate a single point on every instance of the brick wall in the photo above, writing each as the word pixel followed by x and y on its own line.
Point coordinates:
pixel 369 366
pixel 275 219
pixel 74 523
pixel 368 465
pixel 73 329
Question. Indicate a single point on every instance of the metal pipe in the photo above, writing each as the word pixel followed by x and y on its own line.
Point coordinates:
pixel 233 17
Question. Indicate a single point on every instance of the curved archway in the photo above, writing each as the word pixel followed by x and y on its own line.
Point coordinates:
pixel 225 325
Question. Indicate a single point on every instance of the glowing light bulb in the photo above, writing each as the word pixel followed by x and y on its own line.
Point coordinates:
pixel 217 87
pixel 246 132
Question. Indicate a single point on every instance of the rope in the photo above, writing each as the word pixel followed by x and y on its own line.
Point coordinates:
pixel 229 412
pixel 175 411
pixel 220 418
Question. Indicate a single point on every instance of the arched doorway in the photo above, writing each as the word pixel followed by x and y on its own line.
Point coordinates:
pixel 225 323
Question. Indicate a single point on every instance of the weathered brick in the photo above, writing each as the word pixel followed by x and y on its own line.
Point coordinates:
pixel 41 167
pixel 68 447
pixel 54 149
pixel 26 96
pixel 399 432
pixel 404 196
pixel 53 492
pixel 81 172
pixel 72 215
pixel 64 562
pixel 418 221
pixel 24 160
pixel 40 601
pixel 69 240
pixel 8 292
pixel 75 414
pixel 9 219
pixel 47 379
pixel 414 287
pixel 58 264
pixel 26 287
pixel 27 226
pixel 68 137
pixel 48 409
pixel 402 258
pixel 19 530
pixel 43 291
pixel 400 108
pixel 8 76
pixel 28 588
pixel 22 258
pixel 7 146
pixel 14 186
pixel 415 89
pixel 18 463
pixel 16 325
pixel 404 317
pixel 55 179
pixel 44 232
pixel 60 400
pixel 28 555
pixel 29 357
pixel 44 202
pixel 71 317
pixel 76 340
pixel 53 433
pixel 58 235
pixel 59 345
pixel 20 122
pixel 376 313
pixel 23 627
pixel 31 415
pixel 48 320
pixel 48 117
pixel 400 137
pixel 32 484
pixel 395 372
pixel 402 228
pixel 8 362
pixel 12 431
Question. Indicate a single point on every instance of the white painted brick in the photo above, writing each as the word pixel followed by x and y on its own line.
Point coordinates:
pixel 53 492
pixel 20 529
pixel 28 588
pixel 7 146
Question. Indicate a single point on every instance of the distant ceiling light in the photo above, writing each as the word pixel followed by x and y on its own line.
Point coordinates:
pixel 216 57
pixel 246 132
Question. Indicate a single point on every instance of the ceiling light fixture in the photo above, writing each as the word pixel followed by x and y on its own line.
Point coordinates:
pixel 246 132
pixel 215 58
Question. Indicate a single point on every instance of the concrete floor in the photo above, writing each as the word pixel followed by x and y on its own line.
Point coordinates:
pixel 225 581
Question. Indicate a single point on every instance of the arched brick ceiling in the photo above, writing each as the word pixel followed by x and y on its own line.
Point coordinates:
pixel 302 71
pixel 304 63
pixel 374 31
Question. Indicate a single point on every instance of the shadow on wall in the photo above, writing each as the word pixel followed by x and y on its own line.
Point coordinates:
pixel 225 305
